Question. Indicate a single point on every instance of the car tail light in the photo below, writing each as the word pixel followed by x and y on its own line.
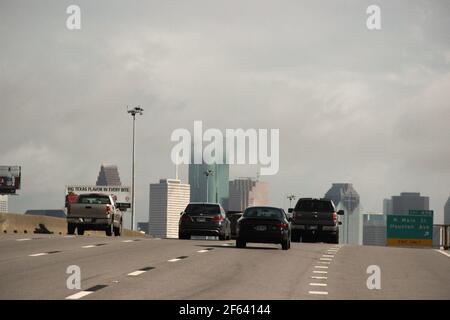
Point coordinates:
pixel 185 217
pixel 334 217
pixel 108 209
pixel 218 218
pixel 283 226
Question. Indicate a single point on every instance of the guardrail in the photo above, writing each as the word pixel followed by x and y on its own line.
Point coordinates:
pixel 11 223
pixel 444 236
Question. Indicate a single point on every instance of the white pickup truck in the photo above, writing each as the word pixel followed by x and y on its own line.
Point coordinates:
pixel 94 211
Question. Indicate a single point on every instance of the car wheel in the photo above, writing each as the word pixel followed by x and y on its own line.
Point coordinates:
pixel 334 238
pixel 285 244
pixel 240 243
pixel 71 228
pixel 80 230
pixel 183 236
pixel 295 236
pixel 109 230
pixel 118 230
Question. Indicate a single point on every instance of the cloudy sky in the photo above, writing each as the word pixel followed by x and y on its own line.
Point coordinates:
pixel 352 105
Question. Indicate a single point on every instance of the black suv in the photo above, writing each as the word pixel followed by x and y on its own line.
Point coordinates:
pixel 204 219
pixel 317 218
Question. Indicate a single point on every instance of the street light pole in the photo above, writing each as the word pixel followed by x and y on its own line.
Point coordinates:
pixel 207 174
pixel 133 112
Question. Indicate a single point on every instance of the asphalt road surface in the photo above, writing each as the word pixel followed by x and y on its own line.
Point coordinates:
pixel 34 267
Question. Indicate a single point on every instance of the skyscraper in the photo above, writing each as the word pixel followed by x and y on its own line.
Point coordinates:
pixel 212 188
pixel 168 199
pixel 374 229
pixel 346 198
pixel 246 192
pixel 108 176
pixel 387 206
pixel 447 212
pixel 4 203
pixel 409 201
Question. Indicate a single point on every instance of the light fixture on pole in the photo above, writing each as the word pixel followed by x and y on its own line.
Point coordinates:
pixel 291 197
pixel 133 112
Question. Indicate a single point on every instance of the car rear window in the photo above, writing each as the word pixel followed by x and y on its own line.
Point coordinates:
pixel 314 205
pixel 94 199
pixel 268 213
pixel 205 209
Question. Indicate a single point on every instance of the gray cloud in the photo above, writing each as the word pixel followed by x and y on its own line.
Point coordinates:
pixel 352 105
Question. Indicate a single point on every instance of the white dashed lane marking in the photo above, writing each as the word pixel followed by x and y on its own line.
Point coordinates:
pixel 136 273
pixel 25 239
pixel 177 259
pixel 38 254
pixel 86 292
pixel 89 246
pixel 326 259
pixel 79 295
pixel 321 267
pixel 318 292
pixel 314 284
pixel 320 271
pixel 319 278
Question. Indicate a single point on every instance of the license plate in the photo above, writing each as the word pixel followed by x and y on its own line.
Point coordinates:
pixel 312 227
pixel 260 228
pixel 201 219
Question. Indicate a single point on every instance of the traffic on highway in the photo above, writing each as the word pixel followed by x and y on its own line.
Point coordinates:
pixel 226 160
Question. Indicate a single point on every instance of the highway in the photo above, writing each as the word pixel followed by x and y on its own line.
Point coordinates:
pixel 34 267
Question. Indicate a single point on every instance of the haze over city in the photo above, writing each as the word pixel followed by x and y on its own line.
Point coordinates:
pixel 351 105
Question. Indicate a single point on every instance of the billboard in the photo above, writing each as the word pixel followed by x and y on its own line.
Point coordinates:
pixel 412 230
pixel 9 179
pixel 121 194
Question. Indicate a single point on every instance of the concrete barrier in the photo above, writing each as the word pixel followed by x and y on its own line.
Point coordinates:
pixel 11 223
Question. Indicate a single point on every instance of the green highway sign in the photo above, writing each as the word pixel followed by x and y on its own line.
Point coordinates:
pixel 410 230
pixel 421 213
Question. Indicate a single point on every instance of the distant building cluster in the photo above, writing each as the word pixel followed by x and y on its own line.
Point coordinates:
pixel 108 176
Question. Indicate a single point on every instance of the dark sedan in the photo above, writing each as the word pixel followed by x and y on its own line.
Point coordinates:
pixel 204 219
pixel 264 225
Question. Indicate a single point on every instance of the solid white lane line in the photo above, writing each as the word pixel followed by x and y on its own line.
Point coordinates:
pixel 320 271
pixel 88 246
pixel 318 292
pixel 79 295
pixel 38 254
pixel 319 278
pixel 173 260
pixel 321 267
pixel 318 284
pixel 136 273
pixel 24 239
pixel 443 252
pixel 326 259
